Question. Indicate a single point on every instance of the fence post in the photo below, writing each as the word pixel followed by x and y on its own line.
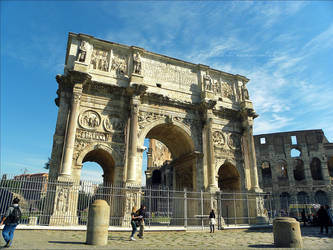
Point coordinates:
pixel 149 206
pixel 185 208
pixel 168 206
pixel 235 209
pixel 247 206
pixel 201 200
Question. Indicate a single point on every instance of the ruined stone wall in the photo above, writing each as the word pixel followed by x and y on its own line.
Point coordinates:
pixel 294 167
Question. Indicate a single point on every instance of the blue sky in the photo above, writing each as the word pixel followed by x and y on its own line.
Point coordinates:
pixel 285 48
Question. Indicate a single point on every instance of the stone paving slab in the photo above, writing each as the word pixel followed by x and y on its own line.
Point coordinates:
pixel 226 239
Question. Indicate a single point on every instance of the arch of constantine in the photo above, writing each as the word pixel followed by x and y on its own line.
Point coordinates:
pixel 112 96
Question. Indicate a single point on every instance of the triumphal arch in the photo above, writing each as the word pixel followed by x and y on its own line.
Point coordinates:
pixel 113 96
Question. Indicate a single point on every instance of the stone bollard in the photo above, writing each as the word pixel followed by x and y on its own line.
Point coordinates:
pixel 287 233
pixel 98 223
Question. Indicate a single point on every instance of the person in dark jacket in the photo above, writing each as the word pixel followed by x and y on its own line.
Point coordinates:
pixel 304 219
pixel 11 220
pixel 323 219
pixel 212 221
pixel 134 219
pixel 141 212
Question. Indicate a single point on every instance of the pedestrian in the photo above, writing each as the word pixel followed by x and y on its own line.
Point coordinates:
pixel 134 220
pixel 323 219
pixel 303 217
pixel 330 216
pixel 212 221
pixel 11 220
pixel 142 213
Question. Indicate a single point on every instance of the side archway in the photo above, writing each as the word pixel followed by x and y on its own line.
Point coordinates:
pixel 229 178
pixel 103 155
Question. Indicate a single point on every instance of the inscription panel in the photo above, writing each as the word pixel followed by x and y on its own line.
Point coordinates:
pixel 156 71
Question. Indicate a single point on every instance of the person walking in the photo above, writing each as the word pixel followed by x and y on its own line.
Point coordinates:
pixel 330 217
pixel 134 219
pixel 11 220
pixel 323 219
pixel 212 221
pixel 304 219
pixel 142 213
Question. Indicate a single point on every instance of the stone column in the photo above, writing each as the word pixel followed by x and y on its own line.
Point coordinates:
pixel 71 129
pixel 133 135
pixel 248 137
pixel 77 79
pixel 210 153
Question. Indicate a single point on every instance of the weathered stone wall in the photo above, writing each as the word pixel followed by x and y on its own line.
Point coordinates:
pixel 293 166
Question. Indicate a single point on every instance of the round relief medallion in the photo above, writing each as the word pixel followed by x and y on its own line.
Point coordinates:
pixel 89 119
pixel 113 123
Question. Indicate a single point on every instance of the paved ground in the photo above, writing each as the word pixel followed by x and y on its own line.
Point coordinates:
pixel 226 239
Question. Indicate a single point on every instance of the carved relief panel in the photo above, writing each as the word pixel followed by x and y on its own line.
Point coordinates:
pixel 218 85
pixel 99 59
pixel 119 63
pixel 89 119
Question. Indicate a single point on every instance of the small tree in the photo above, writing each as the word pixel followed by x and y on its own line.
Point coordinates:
pixel 47 164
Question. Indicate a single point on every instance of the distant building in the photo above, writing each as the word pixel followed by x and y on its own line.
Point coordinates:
pixel 159 171
pixel 295 167
pixel 33 186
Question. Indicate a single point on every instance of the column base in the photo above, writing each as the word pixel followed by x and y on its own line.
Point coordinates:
pixel 260 220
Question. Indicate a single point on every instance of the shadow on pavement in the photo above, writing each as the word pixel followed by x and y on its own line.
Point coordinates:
pixel 118 238
pixel 68 242
pixel 262 246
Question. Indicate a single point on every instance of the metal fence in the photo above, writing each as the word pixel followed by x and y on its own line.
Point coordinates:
pixel 44 202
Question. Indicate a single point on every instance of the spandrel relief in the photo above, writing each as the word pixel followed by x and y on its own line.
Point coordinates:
pixel 89 119
pixel 99 60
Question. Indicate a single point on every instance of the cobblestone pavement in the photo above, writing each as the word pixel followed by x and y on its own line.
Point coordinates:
pixel 226 239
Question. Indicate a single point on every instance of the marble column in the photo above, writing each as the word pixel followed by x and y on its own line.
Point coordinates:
pixel 71 130
pixel 131 171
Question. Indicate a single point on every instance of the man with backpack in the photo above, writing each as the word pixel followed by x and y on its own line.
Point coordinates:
pixel 11 220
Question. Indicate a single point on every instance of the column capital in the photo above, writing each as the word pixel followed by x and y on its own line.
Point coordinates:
pixel 77 77
pixel 136 90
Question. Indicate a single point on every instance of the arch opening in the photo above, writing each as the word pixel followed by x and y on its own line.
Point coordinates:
pixel 171 153
pixel 285 200
pixel 315 168
pixel 299 173
pixel 321 197
pixel 105 161
pixel 266 174
pixel 229 178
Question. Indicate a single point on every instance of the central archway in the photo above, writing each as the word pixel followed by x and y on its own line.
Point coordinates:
pixel 181 147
